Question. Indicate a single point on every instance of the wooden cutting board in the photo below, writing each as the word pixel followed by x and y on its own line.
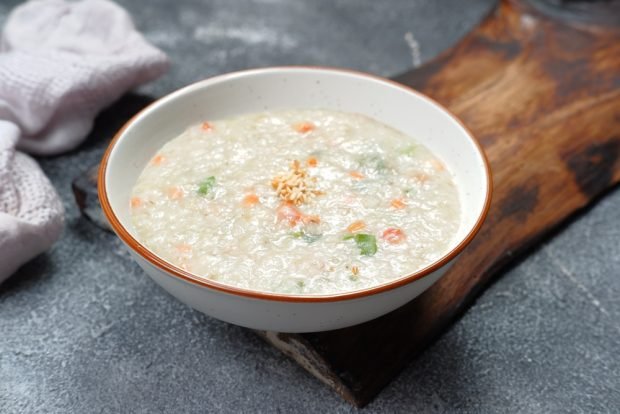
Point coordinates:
pixel 538 83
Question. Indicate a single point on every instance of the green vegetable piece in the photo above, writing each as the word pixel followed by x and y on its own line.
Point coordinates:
pixel 311 238
pixel 367 243
pixel 409 150
pixel 205 187
pixel 375 162
pixel 307 237
pixel 380 164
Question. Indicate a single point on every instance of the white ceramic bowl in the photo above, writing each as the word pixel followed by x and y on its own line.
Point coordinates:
pixel 279 88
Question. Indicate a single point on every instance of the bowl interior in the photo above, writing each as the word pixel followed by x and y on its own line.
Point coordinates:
pixel 288 88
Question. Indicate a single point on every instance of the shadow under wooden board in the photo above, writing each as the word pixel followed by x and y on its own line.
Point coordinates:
pixel 538 83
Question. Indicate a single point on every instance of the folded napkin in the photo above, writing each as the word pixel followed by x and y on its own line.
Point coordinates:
pixel 60 64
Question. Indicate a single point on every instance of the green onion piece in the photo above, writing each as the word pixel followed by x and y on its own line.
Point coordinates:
pixel 374 162
pixel 307 237
pixel 205 187
pixel 367 243
pixel 409 150
pixel 311 238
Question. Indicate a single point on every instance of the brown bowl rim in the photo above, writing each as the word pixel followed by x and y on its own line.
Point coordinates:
pixel 182 274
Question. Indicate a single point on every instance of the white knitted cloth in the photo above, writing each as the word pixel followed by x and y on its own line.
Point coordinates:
pixel 31 215
pixel 60 63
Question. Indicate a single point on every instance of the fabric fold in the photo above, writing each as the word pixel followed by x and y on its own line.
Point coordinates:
pixel 61 63
pixel 31 214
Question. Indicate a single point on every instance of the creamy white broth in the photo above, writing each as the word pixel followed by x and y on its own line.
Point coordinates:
pixel 377 205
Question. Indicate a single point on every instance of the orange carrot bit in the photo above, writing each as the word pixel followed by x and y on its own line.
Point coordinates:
pixel 312 162
pixel 398 204
pixel 206 126
pixel 158 159
pixel 250 200
pixel 135 202
pixel 311 219
pixel 356 226
pixel 304 127
pixel 289 213
pixel 437 165
pixel 421 177
pixel 184 248
pixel 174 193
pixel 393 235
pixel 357 175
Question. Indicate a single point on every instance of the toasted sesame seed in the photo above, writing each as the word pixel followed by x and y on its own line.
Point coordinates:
pixel 295 185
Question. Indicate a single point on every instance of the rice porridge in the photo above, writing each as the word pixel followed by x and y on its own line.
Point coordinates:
pixel 302 202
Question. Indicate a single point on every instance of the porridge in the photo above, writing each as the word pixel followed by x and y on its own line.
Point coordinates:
pixel 301 202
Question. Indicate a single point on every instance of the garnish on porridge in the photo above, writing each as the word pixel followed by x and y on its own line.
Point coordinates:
pixel 304 127
pixel 295 186
pixel 367 243
pixel 206 185
pixel 356 226
pixel 308 202
pixel 393 235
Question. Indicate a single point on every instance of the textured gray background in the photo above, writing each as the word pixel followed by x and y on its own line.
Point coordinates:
pixel 82 329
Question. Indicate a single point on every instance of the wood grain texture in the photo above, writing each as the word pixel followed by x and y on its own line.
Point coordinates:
pixel 540 89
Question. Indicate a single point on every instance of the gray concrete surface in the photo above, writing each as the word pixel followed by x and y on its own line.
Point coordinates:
pixel 83 330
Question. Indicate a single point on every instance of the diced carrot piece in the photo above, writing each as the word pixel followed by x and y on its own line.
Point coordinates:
pixel 135 202
pixel 421 177
pixel 393 235
pixel 250 200
pixel 175 193
pixel 206 126
pixel 356 226
pixel 312 162
pixel 184 248
pixel 311 219
pixel 398 204
pixel 355 270
pixel 356 174
pixel 304 127
pixel 158 159
pixel 289 213
pixel 437 165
